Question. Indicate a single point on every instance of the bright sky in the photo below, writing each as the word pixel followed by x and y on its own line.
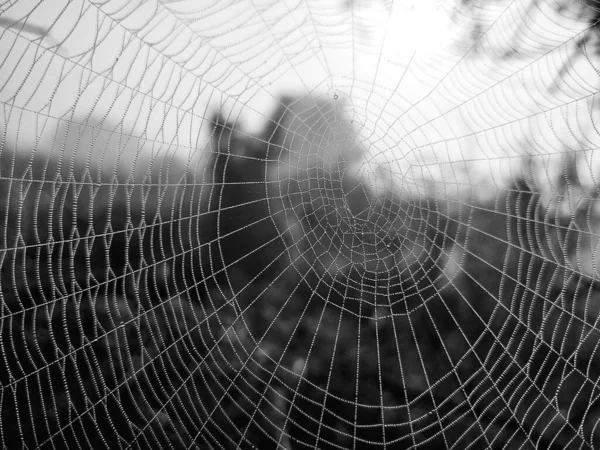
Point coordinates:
pixel 397 74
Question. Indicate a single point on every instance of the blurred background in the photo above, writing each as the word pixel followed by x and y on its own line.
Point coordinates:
pixel 299 224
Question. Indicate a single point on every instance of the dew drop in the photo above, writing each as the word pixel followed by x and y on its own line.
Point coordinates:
pixel 335 96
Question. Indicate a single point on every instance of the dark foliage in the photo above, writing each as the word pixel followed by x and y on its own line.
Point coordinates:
pixel 120 327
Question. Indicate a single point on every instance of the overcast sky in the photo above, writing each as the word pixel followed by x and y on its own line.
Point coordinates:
pixel 418 100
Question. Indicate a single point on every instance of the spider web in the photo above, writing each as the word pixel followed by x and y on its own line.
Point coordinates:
pixel 290 224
